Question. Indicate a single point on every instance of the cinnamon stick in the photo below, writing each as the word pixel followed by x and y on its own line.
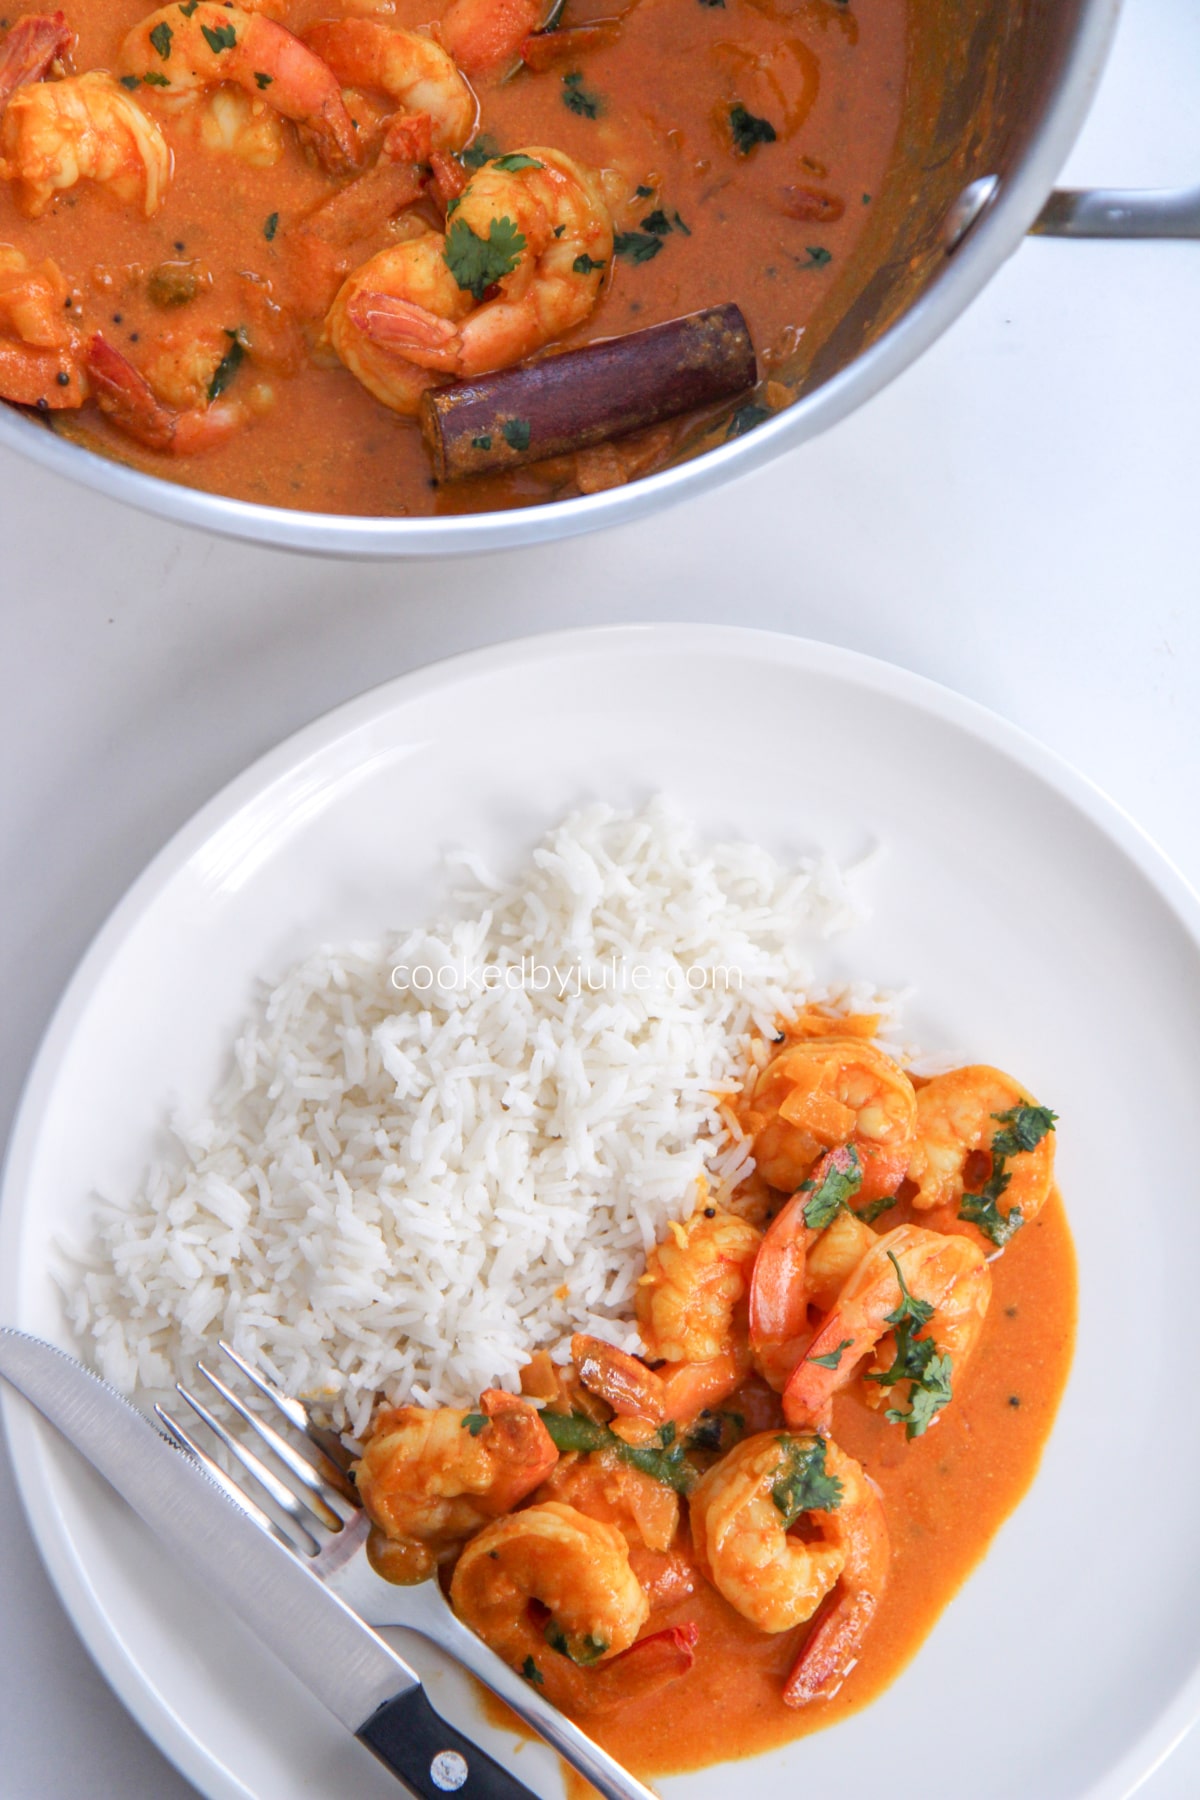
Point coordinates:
pixel 581 397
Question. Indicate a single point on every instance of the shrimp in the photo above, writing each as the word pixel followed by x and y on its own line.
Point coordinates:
pixel 184 49
pixel 522 263
pixel 125 396
pixel 413 71
pixel 742 1512
pixel 41 352
pixel 909 1278
pixel 31 49
pixel 86 128
pixel 573 1568
pixel 485 36
pixel 828 1091
pixel 644 1511
pixel 783 1278
pixel 674 1395
pixel 428 1478
pixel 979 1126
pixel 694 1281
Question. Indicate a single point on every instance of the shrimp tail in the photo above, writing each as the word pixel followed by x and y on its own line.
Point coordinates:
pixel 31 49
pixel 831 1648
pixel 526 1452
pixel 650 1665
pixel 126 397
pixel 405 328
pixel 630 1388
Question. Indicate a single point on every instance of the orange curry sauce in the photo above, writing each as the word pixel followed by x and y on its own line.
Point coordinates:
pixel 827 74
pixel 946 1495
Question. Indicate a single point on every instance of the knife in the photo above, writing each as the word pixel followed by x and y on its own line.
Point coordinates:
pixel 343 1662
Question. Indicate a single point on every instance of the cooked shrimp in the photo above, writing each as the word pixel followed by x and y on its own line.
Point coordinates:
pixel 522 263
pixel 33 46
pixel 429 1477
pixel 742 1513
pixel 675 1394
pixel 126 397
pixel 978 1127
pixel 644 1511
pixel 823 1092
pixel 41 348
pixel 575 1568
pixel 414 72
pixel 86 128
pixel 858 1528
pixel 695 1279
pixel 908 1279
pixel 182 50
pixel 780 1285
pixel 833 1258
pixel 485 36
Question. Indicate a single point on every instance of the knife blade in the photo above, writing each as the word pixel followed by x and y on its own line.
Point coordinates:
pixel 346 1665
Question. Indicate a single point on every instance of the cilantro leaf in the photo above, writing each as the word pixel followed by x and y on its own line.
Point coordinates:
pixel 130 81
pixel 188 7
pixel 482 443
pixel 657 222
pixel 478 263
pixel 589 1650
pixel 484 149
pixel 228 366
pixel 981 1210
pixel 715 1430
pixel 636 246
pixel 834 1357
pixel 152 78
pixel 218 38
pixel 919 1311
pixel 474 1423
pixel 516 433
pixel 748 130
pixel 161 37
pixel 573 1431
pixel 262 78
pixel 1027 1126
pixel 840 1182
pixel 679 225
pixel 926 1398
pixel 585 264
pixel 271 226
pixel 816 256
pixel 515 160
pixel 745 419
pixel 531 1672
pixel 802 1484
pixel 577 99
pixel 872 1210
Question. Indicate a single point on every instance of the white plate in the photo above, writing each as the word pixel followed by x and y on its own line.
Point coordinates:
pixel 1041 931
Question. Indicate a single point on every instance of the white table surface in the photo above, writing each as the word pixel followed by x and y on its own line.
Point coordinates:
pixel 1018 517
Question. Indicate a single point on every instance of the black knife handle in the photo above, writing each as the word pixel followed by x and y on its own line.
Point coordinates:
pixel 432 1757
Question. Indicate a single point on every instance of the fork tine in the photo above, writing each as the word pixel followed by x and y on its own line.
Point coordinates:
pixel 323 1491
pixel 285 1500
pixel 230 1487
pixel 297 1414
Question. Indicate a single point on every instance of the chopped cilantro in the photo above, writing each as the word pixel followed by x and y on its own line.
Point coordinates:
pixel 474 1423
pixel 130 81
pixel 152 78
pixel 263 80
pixel 577 99
pixel 482 443
pixel 748 130
pixel 715 1430
pixel 657 222
pixel 161 37
pixel 516 433
pixel 643 193
pixel 531 1672
pixel 834 1357
pixel 1025 1127
pixel 815 257
pixel 585 264
pixel 679 225
pixel 925 1400
pixel 514 161
pixel 228 366
pixel 866 199
pixel 572 1431
pixel 478 263
pixel 745 419
pixel 219 37
pixel 558 230
pixel 556 1637
pixel 484 149
pixel 589 1649
pixel 802 1484
pixel 919 1312
pixel 271 226
pixel 840 1182
pixel 872 1210
pixel 189 8
pixel 916 1361
pixel 636 246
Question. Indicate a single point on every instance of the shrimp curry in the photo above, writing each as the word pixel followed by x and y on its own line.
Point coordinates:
pixel 243 245
pixel 849 1366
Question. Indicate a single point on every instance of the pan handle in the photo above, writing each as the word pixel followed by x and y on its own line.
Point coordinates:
pixel 1120 213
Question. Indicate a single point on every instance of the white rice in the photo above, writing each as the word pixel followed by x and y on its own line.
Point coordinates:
pixel 404 1193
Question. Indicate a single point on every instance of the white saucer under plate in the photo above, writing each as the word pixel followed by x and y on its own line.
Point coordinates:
pixel 1039 929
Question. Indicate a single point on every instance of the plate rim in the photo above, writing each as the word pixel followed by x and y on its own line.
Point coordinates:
pixel 26 1435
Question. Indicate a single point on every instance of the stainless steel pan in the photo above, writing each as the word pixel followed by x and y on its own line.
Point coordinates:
pixel 997 92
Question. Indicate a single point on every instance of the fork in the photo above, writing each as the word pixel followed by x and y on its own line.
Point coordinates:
pixel 326 1529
